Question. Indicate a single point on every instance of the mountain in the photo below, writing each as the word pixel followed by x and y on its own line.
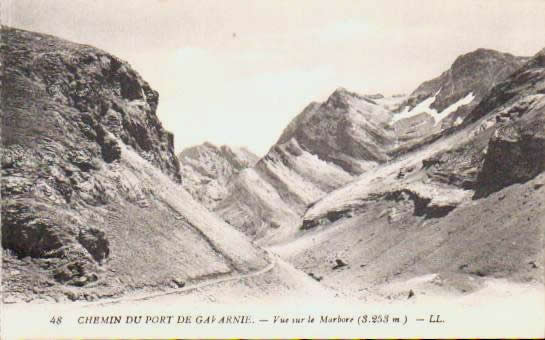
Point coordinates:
pixel 329 144
pixel 207 169
pixel 347 130
pixel 365 195
pixel 324 147
pixel 92 204
pixel 453 215
pixel 445 101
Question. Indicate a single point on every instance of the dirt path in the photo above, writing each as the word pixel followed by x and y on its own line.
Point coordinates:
pixel 269 267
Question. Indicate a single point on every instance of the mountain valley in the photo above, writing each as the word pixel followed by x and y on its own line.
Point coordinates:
pixel 362 197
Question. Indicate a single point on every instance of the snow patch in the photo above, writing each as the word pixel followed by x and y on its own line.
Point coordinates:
pixel 464 101
pixel 425 107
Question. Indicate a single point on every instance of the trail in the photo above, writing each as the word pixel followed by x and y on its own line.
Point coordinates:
pixel 269 267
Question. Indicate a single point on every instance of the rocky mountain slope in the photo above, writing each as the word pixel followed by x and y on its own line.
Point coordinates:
pixel 453 213
pixel 207 169
pixel 329 144
pixel 91 199
pixel 445 101
pixel 324 147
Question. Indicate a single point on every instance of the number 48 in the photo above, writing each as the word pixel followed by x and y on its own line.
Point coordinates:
pixel 56 320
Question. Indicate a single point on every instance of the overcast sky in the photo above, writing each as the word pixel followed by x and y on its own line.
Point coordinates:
pixel 236 72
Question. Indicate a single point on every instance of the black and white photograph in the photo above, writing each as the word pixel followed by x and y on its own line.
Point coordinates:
pixel 272 169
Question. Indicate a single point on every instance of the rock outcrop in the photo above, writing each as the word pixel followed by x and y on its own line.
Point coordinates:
pixel 106 99
pixel 91 197
pixel 516 154
pixel 513 113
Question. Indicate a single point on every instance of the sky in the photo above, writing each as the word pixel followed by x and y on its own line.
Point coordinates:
pixel 237 72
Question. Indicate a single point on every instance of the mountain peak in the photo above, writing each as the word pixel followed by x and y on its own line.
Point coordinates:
pixel 476 58
pixel 483 52
pixel 471 75
pixel 195 150
pixel 341 91
pixel 341 98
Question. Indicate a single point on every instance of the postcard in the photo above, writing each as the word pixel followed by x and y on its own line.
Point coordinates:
pixel 272 169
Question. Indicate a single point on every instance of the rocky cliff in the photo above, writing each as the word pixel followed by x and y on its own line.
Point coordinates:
pixel 207 169
pixel 91 198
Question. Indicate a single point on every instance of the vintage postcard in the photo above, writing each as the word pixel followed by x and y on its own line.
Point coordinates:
pixel 272 169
